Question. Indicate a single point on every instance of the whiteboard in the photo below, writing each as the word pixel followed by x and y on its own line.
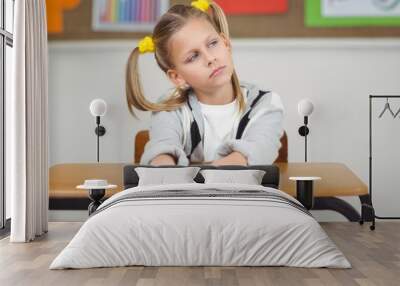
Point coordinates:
pixel 360 8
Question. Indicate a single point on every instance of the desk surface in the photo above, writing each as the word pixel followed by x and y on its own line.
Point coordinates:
pixel 336 178
pixel 63 178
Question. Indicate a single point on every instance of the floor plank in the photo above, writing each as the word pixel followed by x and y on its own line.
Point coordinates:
pixel 374 255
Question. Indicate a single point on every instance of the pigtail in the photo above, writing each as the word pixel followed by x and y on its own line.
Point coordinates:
pixel 219 18
pixel 133 87
pixel 134 91
pixel 220 21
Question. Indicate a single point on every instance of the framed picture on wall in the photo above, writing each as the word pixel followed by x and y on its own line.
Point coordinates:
pixel 127 15
pixel 352 13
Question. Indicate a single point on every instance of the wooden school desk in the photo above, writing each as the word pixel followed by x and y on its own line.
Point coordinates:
pixel 337 180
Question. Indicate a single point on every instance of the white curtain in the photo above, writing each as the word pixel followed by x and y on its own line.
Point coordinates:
pixel 27 123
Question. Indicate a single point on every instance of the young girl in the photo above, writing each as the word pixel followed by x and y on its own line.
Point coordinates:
pixel 209 117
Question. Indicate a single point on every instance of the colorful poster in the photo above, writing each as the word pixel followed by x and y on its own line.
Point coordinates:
pixel 351 13
pixel 235 7
pixel 127 15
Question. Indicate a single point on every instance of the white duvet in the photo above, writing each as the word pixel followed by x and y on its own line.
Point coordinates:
pixel 182 231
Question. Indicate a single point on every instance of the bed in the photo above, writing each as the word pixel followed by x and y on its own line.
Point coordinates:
pixel 201 224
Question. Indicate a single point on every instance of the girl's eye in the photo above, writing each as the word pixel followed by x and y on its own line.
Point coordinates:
pixel 214 43
pixel 192 58
pixel 196 54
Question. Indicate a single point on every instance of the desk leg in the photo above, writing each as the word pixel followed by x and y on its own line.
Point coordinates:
pixel 95 196
pixel 337 205
pixel 367 210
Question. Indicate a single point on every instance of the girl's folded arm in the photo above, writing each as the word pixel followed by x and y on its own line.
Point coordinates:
pixel 165 138
pixel 163 159
pixel 261 141
pixel 234 158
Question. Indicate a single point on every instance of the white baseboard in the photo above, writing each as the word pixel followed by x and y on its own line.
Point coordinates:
pixel 328 216
pixel 68 216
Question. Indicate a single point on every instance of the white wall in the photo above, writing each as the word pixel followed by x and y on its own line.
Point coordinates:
pixel 336 74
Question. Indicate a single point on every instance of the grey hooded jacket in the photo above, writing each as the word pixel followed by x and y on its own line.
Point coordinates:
pixel 260 141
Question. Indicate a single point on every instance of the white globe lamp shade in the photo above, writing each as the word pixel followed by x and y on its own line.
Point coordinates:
pixel 98 107
pixel 305 107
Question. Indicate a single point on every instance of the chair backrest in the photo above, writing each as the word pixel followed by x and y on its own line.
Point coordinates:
pixel 142 137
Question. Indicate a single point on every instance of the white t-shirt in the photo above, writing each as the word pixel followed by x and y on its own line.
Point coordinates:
pixel 220 125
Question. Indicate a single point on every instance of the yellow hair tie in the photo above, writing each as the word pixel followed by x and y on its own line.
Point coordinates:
pixel 146 45
pixel 201 5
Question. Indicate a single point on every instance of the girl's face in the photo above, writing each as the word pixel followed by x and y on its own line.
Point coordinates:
pixel 201 57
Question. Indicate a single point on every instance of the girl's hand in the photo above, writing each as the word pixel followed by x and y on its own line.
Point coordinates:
pixel 163 159
pixel 235 158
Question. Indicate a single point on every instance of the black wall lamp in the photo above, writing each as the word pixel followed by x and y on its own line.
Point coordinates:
pixel 305 108
pixel 98 108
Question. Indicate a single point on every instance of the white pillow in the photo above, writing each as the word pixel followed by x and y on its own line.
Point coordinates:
pixel 162 176
pixel 249 177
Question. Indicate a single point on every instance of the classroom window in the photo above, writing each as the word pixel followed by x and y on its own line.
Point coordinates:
pixel 6 63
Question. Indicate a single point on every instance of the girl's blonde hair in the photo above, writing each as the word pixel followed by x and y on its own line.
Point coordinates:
pixel 173 20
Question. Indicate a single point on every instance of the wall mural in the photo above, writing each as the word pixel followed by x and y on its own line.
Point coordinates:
pixel 55 10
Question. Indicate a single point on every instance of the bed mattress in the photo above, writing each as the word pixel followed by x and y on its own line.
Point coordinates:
pixel 201 225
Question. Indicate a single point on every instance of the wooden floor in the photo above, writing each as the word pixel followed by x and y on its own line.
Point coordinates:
pixel 374 255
